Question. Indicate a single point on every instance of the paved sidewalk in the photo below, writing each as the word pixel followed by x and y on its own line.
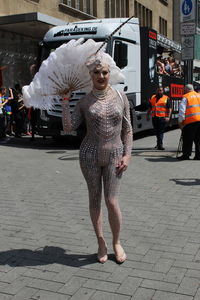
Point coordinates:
pixel 48 246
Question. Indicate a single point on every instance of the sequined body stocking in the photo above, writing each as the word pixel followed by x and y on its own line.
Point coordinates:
pixel 108 138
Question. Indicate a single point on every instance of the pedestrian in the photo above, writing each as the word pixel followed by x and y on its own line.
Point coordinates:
pixel 17 109
pixel 105 151
pixel 8 112
pixel 3 101
pixel 189 122
pixel 160 108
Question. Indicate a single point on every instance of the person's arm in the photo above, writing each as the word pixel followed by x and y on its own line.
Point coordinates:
pixel 169 106
pixel 149 111
pixel 11 95
pixel 181 114
pixel 4 102
pixel 126 136
pixel 71 121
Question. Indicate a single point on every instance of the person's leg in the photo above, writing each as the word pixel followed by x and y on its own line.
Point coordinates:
pixel 188 137
pixel 155 127
pixel 8 124
pixel 93 178
pixel 2 126
pixel 111 190
pixel 197 141
pixel 160 132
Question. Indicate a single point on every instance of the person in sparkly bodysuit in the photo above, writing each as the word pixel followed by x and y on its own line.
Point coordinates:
pixel 105 151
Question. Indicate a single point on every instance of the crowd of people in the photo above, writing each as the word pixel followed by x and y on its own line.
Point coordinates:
pixel 169 66
pixel 15 118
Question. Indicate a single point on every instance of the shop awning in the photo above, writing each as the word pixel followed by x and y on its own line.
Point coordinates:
pixel 168 44
pixel 33 25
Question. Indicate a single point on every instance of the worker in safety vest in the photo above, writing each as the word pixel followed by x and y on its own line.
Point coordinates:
pixel 189 122
pixel 160 108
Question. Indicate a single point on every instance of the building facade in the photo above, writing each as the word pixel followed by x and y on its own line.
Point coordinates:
pixel 157 14
pixel 23 24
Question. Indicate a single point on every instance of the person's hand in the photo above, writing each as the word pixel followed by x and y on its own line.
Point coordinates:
pixel 167 119
pixel 122 165
pixel 180 124
pixel 148 117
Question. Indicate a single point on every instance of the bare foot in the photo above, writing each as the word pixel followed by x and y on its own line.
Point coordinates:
pixel 120 254
pixel 102 252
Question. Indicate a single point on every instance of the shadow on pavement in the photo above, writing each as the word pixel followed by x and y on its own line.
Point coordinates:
pixel 186 181
pixel 45 256
pixel 68 143
pixel 160 159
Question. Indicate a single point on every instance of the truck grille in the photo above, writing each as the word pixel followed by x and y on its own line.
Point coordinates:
pixel 57 110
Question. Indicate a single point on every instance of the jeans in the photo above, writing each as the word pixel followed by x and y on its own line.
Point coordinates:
pixel 159 128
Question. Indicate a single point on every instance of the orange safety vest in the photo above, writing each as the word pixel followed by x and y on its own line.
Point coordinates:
pixel 159 108
pixel 192 113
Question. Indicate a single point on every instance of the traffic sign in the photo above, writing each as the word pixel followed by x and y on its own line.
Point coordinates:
pixel 187 41
pixel 187 10
pixel 188 28
pixel 188 53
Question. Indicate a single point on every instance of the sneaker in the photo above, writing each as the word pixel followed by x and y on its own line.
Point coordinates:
pixel 161 148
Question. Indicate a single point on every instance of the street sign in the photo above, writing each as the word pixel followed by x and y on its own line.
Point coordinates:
pixel 188 53
pixel 187 41
pixel 188 28
pixel 187 10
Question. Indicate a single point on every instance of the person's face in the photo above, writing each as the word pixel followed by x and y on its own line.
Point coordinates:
pixel 100 77
pixel 3 91
pixel 160 92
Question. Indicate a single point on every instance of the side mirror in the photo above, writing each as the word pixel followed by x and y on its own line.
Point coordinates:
pixel 120 54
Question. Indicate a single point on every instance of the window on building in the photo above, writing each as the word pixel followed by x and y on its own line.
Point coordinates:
pixel 116 8
pixel 143 14
pixel 165 2
pixel 162 26
pixel 85 6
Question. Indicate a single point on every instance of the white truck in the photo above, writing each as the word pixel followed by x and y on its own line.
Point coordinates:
pixel 134 49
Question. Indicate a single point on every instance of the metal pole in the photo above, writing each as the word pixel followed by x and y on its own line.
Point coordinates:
pixel 188 71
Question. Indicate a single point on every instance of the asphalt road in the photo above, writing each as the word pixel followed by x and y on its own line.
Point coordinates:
pixel 48 247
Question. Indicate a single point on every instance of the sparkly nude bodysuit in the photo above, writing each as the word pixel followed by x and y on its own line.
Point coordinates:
pixel 108 138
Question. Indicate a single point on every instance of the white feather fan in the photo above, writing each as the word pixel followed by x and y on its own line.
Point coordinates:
pixel 65 71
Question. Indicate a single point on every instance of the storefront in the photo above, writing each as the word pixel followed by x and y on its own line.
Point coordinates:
pixel 19 39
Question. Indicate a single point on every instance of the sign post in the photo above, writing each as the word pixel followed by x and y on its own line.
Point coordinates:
pixel 187 30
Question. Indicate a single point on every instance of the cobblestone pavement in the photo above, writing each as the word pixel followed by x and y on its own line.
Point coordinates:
pixel 47 248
